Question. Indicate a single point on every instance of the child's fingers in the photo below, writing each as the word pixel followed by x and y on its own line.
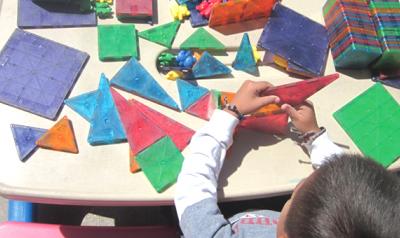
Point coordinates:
pixel 268 100
pixel 290 111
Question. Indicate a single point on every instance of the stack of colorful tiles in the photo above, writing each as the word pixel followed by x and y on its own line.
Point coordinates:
pixel 351 32
pixel 301 43
pixel 386 16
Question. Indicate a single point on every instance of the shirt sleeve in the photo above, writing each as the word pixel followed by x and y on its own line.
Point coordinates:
pixel 199 175
pixel 322 149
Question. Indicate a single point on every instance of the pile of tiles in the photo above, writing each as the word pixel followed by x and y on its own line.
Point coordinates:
pixel 363 34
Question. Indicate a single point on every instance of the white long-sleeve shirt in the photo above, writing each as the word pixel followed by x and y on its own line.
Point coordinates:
pixel 197 182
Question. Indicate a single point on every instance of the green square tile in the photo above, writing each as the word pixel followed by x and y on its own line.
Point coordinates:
pixel 161 163
pixel 371 121
pixel 117 42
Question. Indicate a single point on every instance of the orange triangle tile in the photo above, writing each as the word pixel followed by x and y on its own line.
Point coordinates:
pixel 60 137
pixel 134 166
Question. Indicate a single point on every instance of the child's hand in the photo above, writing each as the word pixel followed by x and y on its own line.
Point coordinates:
pixel 303 117
pixel 248 99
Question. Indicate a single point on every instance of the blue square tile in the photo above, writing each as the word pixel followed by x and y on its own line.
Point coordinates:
pixel 30 72
pixel 32 14
pixel 297 39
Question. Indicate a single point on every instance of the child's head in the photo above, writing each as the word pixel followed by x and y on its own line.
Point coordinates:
pixel 350 196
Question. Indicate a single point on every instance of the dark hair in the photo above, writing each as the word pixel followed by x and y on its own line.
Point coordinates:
pixel 349 196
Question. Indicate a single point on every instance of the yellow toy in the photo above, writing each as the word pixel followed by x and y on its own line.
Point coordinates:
pixel 256 55
pixel 106 1
pixel 174 75
pixel 179 12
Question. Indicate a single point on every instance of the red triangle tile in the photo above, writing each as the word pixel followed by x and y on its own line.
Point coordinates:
pixel 140 131
pixel 271 124
pixel 179 133
pixel 203 108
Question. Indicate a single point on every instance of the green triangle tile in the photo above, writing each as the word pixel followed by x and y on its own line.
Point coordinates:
pixel 203 40
pixel 163 35
pixel 371 121
pixel 161 163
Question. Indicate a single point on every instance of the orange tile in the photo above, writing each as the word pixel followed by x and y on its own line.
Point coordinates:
pixel 227 97
pixel 134 166
pixel 60 137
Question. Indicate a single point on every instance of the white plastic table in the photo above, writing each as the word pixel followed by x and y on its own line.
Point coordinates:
pixel 258 165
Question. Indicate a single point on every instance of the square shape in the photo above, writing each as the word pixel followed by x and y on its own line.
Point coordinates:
pixel 25 63
pixel 371 121
pixel 32 14
pixel 141 9
pixel 161 163
pixel 117 42
pixel 297 39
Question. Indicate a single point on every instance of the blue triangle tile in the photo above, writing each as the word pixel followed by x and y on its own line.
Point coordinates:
pixel 134 78
pixel 189 93
pixel 25 138
pixel 208 66
pixel 244 60
pixel 83 104
pixel 105 126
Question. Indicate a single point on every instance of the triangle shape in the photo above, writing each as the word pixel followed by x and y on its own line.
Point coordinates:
pixel 25 138
pixel 133 164
pixel 163 34
pixel 203 40
pixel 244 60
pixel 83 104
pixel 203 108
pixel 271 124
pixel 105 126
pixel 60 137
pixel 134 78
pixel 209 66
pixel 140 131
pixel 179 133
pixel 189 93
pixel 296 93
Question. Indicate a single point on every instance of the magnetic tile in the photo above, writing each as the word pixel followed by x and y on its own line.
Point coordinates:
pixel 134 78
pixel 140 9
pixel 203 40
pixel 161 163
pixel 105 124
pixel 203 108
pixel 33 14
pixel 297 39
pixel 196 19
pixel 270 124
pixel 209 66
pixel 163 34
pixel 37 74
pixel 117 42
pixel 25 138
pixel 60 137
pixel 84 104
pixel 179 133
pixel 244 60
pixel 140 131
pixel 371 121
pixel 189 93
pixel 296 93
pixel 230 12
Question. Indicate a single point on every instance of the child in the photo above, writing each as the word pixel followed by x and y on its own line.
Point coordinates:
pixel 348 196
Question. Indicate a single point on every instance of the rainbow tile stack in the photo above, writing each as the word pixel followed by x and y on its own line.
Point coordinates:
pixel 386 16
pixel 352 35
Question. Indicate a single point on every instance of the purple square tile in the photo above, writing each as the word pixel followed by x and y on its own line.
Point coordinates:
pixel 28 75
pixel 46 15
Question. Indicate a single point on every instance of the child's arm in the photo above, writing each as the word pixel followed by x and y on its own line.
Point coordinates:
pixel 196 194
pixel 320 148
